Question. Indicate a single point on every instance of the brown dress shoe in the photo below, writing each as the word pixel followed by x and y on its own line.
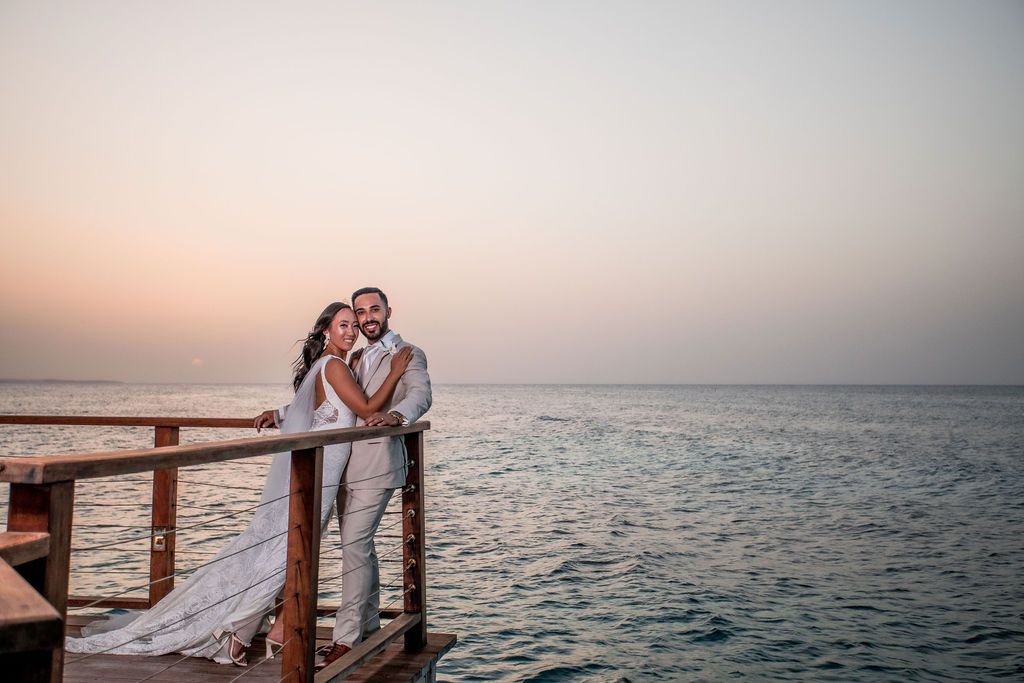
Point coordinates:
pixel 337 651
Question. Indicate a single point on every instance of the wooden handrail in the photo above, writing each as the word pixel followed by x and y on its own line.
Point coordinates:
pixel 19 547
pixel 54 468
pixel 127 421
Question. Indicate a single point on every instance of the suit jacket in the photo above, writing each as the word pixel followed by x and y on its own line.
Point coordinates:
pixel 380 463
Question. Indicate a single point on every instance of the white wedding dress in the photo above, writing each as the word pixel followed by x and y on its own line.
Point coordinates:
pixel 234 594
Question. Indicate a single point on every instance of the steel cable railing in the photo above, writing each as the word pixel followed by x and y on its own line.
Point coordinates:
pixel 193 482
pixel 207 524
pixel 342 546
pixel 217 559
pixel 408 464
pixel 184 572
pixel 181 528
pixel 191 570
pixel 399 580
pixel 352 569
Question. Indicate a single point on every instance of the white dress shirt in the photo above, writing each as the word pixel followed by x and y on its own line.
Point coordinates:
pixel 373 352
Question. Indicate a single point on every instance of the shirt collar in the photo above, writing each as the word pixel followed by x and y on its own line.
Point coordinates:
pixel 387 340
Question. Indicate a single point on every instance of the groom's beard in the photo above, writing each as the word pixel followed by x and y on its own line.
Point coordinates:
pixel 382 329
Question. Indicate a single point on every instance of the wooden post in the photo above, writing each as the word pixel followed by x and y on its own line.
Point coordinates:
pixel 302 574
pixel 414 544
pixel 47 508
pixel 164 521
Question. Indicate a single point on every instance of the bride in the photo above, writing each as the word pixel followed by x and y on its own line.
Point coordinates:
pixel 218 610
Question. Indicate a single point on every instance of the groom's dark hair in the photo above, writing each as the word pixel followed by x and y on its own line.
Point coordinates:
pixel 370 290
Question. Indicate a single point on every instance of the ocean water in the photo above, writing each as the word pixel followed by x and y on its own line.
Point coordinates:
pixel 634 533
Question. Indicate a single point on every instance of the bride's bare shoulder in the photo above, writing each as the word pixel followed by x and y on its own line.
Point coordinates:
pixel 337 371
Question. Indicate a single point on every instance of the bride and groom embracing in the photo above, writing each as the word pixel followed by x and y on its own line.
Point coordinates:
pixel 219 609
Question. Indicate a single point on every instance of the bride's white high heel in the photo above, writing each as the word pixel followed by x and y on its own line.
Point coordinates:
pixel 273 648
pixel 239 659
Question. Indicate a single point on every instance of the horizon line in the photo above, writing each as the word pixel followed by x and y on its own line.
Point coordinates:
pixel 4 380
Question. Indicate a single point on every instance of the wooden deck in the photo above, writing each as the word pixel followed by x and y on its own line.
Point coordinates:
pixel 390 666
pixel 395 664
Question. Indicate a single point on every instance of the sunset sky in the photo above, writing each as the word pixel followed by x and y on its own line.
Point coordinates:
pixel 565 192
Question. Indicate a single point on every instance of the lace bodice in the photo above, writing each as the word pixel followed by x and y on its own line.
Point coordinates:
pixel 328 414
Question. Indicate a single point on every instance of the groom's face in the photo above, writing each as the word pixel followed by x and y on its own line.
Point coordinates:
pixel 372 315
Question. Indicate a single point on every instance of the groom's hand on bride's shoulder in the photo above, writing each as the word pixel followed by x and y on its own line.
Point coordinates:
pixel 265 419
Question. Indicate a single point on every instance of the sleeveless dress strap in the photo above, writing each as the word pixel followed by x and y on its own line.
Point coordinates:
pixel 329 391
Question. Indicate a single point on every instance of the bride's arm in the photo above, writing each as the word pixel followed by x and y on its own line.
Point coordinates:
pixel 349 392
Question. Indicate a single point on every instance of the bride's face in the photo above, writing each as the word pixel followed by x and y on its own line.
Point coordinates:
pixel 344 330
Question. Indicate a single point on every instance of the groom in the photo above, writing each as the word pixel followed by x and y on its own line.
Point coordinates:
pixel 375 468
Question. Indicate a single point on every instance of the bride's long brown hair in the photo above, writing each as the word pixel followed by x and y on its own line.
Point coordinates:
pixel 315 342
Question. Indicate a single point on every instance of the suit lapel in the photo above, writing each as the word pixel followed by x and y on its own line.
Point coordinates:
pixel 397 340
pixel 376 366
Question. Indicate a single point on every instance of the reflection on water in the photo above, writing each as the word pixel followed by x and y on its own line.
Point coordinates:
pixel 680 533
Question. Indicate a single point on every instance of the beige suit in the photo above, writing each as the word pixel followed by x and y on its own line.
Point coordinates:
pixel 381 463
pixel 375 469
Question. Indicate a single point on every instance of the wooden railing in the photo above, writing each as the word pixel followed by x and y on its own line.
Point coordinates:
pixel 166 432
pixel 35 552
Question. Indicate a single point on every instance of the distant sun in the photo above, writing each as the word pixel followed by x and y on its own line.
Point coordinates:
pixel 197 361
